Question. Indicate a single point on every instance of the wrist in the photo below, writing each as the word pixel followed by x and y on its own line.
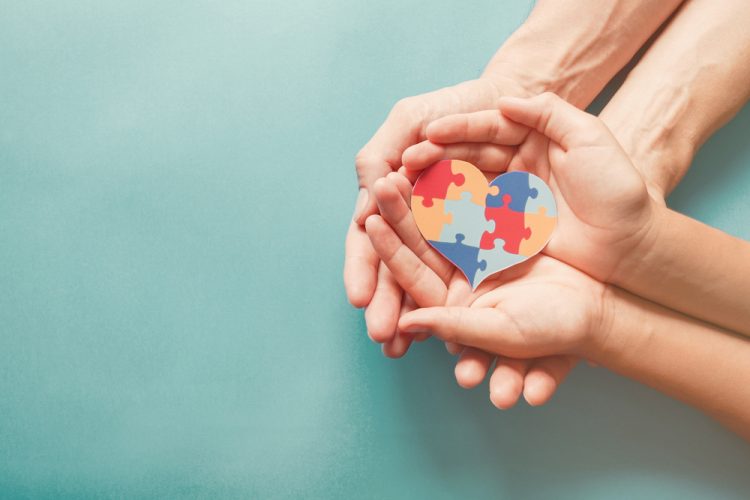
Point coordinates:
pixel 641 254
pixel 521 61
pixel 621 330
pixel 542 64
pixel 663 142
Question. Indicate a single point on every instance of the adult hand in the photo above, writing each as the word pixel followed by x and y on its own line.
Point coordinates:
pixel 368 283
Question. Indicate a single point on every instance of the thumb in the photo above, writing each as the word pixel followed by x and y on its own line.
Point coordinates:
pixel 476 327
pixel 554 118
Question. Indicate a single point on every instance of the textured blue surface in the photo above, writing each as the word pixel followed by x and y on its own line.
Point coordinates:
pixel 175 183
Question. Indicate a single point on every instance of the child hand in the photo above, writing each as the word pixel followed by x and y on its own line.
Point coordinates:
pixel 544 308
pixel 604 210
pixel 432 281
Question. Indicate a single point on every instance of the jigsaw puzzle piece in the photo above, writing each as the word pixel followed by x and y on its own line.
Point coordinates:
pixel 517 186
pixel 544 198
pixel 496 260
pixel 510 226
pixel 430 220
pixel 434 182
pixel 541 227
pixel 474 182
pixel 468 220
pixel 463 256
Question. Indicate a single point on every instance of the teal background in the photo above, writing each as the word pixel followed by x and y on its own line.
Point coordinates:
pixel 176 179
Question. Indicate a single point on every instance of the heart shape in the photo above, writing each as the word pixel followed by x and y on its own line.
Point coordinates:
pixel 482 227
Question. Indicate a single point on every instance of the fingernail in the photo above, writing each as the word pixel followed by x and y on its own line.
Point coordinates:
pixel 531 391
pixel 361 203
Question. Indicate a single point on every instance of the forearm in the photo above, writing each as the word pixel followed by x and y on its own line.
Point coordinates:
pixel 691 81
pixel 697 363
pixel 693 268
pixel 574 47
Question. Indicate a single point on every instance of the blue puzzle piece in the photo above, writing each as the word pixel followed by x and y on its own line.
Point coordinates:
pixel 515 184
pixel 468 220
pixel 497 260
pixel 463 256
pixel 544 198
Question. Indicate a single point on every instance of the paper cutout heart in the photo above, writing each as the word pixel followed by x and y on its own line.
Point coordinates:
pixel 481 227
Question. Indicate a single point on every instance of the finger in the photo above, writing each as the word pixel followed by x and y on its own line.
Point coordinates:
pixel 414 276
pixel 506 382
pixel 486 157
pixel 402 184
pixel 472 366
pixel 481 126
pixel 408 305
pixel 545 376
pixel 488 329
pixel 360 266
pixel 381 316
pixel 550 115
pixel 382 154
pixel 397 347
pixel 453 348
pixel 396 213
pixel 531 156
pixel 410 175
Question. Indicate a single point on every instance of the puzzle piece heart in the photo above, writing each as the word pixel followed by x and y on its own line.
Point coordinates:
pixel 482 227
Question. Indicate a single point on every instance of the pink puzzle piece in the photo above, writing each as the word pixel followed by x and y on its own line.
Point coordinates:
pixel 435 181
pixel 510 226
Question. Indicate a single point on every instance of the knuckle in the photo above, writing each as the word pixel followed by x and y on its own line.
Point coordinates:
pixel 403 106
pixel 367 166
pixel 362 157
pixel 548 97
pixel 493 132
pixel 409 108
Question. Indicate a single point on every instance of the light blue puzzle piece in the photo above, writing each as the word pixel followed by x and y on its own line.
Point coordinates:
pixel 544 198
pixel 497 260
pixel 468 219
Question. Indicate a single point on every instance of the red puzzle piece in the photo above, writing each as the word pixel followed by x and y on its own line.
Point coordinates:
pixel 509 226
pixel 434 182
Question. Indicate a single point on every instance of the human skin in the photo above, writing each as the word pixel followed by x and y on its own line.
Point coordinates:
pixel 620 236
pixel 556 49
pixel 547 309
pixel 583 233
pixel 568 150
pixel 689 82
pixel 551 309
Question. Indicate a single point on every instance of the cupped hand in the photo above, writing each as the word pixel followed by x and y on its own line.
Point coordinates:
pixel 432 281
pixel 604 208
pixel 368 283
pixel 543 308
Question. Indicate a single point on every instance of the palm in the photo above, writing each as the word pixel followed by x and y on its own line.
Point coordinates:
pixel 553 307
pixel 591 221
